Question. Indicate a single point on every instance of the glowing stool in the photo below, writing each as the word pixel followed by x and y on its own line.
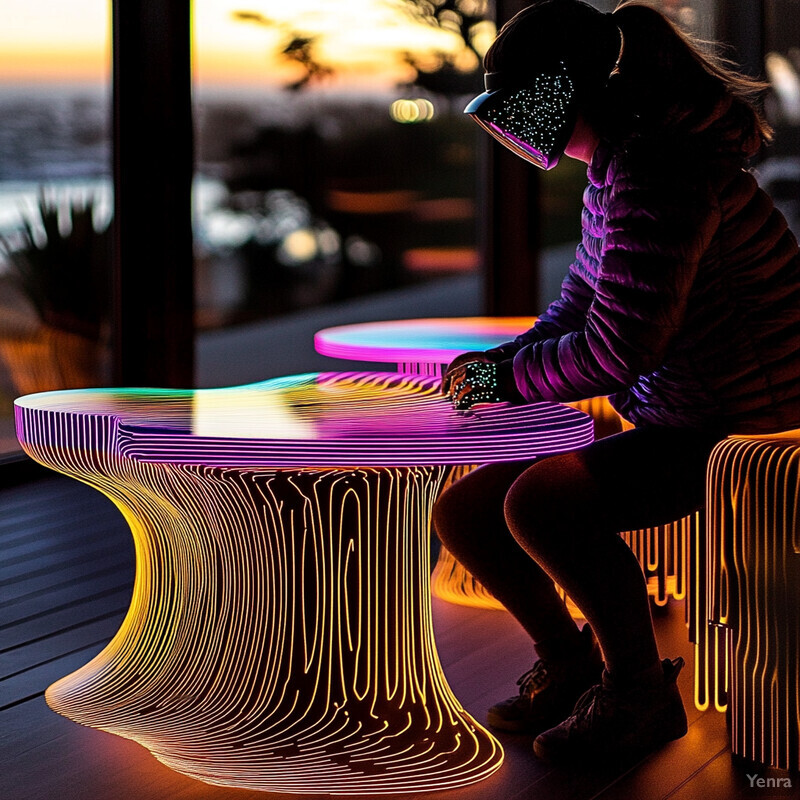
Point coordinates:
pixel 279 635
pixel 426 347
pixel 753 547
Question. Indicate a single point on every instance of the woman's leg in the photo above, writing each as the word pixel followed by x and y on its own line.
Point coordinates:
pixel 565 512
pixel 560 521
pixel 469 520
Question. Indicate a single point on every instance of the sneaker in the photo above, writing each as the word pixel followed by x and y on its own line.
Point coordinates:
pixel 619 723
pixel 548 691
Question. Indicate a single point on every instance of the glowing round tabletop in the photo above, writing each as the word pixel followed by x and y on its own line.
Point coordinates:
pixel 279 635
pixel 418 345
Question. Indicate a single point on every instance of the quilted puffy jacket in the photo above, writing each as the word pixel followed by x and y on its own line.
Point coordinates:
pixel 683 302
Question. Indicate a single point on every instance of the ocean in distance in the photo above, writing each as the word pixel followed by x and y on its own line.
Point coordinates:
pixel 58 137
pixel 51 136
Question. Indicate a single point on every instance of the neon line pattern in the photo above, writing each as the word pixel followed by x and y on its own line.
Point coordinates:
pixel 753 545
pixel 279 636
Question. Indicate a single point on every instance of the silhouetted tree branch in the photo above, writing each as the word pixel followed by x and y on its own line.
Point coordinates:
pixel 298 48
pixel 462 17
pixel 444 73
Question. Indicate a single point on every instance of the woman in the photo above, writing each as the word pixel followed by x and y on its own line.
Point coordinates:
pixel 682 304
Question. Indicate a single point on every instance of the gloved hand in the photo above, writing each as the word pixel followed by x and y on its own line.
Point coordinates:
pixel 483 382
pixel 459 361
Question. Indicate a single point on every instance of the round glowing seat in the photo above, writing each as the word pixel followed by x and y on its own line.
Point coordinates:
pixel 427 346
pixel 279 635
pixel 753 550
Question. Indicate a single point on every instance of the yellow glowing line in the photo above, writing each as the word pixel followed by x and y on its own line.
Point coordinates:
pixel 753 652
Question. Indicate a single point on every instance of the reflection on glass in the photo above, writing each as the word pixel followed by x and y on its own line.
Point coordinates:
pixel 331 139
pixel 55 199
pixel 779 174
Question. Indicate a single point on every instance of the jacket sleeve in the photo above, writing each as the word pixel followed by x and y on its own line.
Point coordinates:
pixel 657 228
pixel 566 314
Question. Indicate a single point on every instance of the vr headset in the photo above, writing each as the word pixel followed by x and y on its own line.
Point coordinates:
pixel 534 121
pixel 535 118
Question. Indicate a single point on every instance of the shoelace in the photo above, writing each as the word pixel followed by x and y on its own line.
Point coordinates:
pixel 534 679
pixel 590 702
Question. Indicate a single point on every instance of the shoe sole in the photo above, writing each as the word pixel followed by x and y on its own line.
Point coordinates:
pixel 518 726
pixel 562 755
pixel 510 726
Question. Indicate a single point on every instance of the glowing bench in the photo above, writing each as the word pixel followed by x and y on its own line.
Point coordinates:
pixel 753 550
pixel 279 635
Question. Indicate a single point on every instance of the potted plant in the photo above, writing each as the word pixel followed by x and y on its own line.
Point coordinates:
pixel 59 262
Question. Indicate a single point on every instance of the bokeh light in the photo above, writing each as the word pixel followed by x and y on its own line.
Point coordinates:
pixel 407 111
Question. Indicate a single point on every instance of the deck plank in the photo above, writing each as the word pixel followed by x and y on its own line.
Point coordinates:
pixel 31 683
pixel 64 642
pixel 65 598
pixel 98 555
pixel 724 779
pixel 66 584
pixel 51 623
pixel 44 588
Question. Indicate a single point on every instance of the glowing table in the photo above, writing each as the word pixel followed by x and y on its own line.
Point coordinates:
pixel 426 347
pixel 279 635
pixel 422 346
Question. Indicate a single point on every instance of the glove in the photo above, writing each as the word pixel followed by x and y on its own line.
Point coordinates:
pixel 456 363
pixel 483 382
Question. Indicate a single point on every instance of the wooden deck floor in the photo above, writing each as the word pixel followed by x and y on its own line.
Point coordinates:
pixel 66 570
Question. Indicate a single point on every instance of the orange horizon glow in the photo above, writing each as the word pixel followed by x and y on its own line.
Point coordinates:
pixel 46 43
pixel 55 65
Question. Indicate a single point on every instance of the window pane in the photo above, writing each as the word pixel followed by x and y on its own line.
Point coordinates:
pixel 55 199
pixel 334 160
pixel 780 173
pixel 697 16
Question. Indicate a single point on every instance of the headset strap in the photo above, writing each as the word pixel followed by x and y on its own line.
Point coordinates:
pixel 493 81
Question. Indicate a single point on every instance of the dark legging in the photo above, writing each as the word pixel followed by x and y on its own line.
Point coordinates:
pixel 519 527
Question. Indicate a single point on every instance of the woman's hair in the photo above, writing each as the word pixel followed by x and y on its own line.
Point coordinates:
pixel 667 81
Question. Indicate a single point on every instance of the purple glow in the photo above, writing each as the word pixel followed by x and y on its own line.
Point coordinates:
pixel 418 340
pixel 516 141
pixel 521 148
pixel 315 420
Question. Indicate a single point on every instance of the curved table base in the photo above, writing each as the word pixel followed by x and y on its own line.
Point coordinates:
pixel 279 636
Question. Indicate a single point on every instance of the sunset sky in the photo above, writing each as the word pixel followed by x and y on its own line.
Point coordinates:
pixel 45 41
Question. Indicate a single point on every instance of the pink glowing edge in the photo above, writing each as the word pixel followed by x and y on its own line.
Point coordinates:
pixel 418 340
pixel 345 419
